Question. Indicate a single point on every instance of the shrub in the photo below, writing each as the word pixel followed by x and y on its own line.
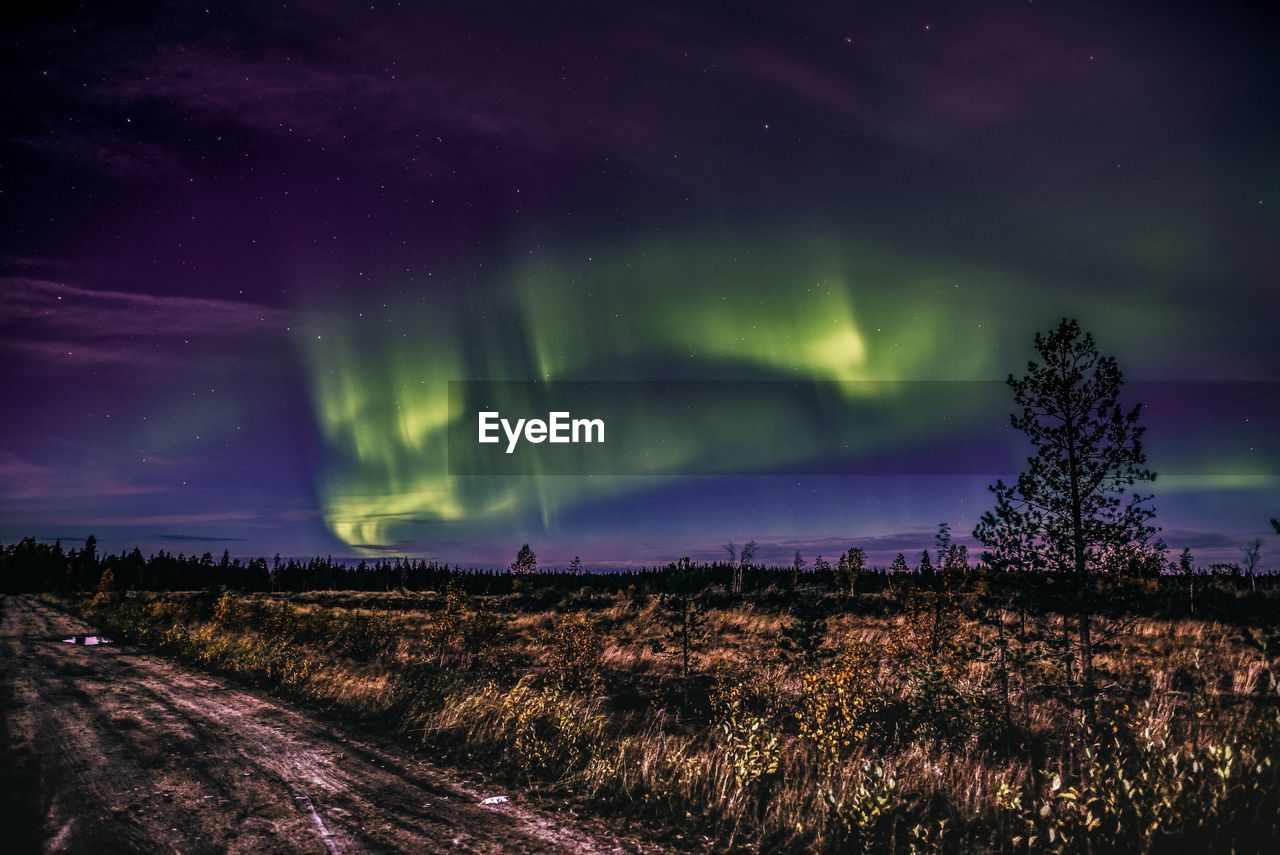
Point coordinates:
pixel 747 730
pixel 465 632
pixel 838 704
pixel 1139 794
pixel 108 594
pixel 548 732
pixel 866 811
pixel 576 648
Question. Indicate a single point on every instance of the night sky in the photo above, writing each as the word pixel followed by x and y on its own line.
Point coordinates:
pixel 245 248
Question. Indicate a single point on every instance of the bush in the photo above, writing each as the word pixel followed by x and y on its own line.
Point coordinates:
pixel 576 648
pixel 1139 795
pixel 866 812
pixel 549 732
pixel 747 730
pixel 838 704
pixel 466 632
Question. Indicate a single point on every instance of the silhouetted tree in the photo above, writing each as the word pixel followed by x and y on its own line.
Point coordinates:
pixel 957 559
pixel 1187 569
pixel 1069 510
pixel 942 540
pixel 797 567
pixel 926 565
pixel 744 560
pixel 899 565
pixel 526 562
pixel 83 569
pixel 575 566
pixel 849 569
pixel 1251 554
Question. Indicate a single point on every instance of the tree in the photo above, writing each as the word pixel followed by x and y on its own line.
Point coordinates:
pixel 683 614
pixel 1275 523
pixel 849 569
pixel 575 566
pixel 926 566
pixel 745 558
pixel 952 557
pixel 83 569
pixel 957 559
pixel 1070 511
pixel 942 540
pixel 526 562
pixel 797 567
pixel 1187 569
pixel 1252 554
pixel 899 565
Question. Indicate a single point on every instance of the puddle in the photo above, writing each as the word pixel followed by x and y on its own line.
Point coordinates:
pixel 88 640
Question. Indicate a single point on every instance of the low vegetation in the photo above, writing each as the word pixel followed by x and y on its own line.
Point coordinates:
pixel 931 713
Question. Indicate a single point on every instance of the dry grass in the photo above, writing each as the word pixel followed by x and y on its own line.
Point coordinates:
pixel 751 765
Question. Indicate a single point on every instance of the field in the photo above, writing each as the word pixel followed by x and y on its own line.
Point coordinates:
pixel 898 714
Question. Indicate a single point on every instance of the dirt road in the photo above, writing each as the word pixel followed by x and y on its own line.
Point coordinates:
pixel 107 749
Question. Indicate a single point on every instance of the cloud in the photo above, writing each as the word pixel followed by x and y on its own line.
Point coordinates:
pixel 171 519
pixel 60 325
pixel 25 481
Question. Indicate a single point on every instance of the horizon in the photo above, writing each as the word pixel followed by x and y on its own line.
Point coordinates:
pixel 878 556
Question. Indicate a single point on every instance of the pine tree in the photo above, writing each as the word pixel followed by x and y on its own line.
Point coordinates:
pixel 1069 511
pixel 942 540
pixel 526 562
pixel 926 566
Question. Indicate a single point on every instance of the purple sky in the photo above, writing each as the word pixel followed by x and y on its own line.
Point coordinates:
pixel 215 218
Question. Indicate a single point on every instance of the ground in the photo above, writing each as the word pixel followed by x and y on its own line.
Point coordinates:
pixel 112 750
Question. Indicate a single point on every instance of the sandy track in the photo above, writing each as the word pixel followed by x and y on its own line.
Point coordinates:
pixel 112 750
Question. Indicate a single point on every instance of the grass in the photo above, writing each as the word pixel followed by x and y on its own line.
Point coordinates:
pixel 930 721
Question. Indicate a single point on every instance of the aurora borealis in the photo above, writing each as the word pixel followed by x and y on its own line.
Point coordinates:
pixel 246 249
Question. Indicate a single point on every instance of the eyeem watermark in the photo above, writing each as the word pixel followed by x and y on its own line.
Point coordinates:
pixel 560 427
pixel 799 427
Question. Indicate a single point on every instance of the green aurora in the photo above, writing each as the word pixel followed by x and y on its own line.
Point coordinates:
pixel 696 309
